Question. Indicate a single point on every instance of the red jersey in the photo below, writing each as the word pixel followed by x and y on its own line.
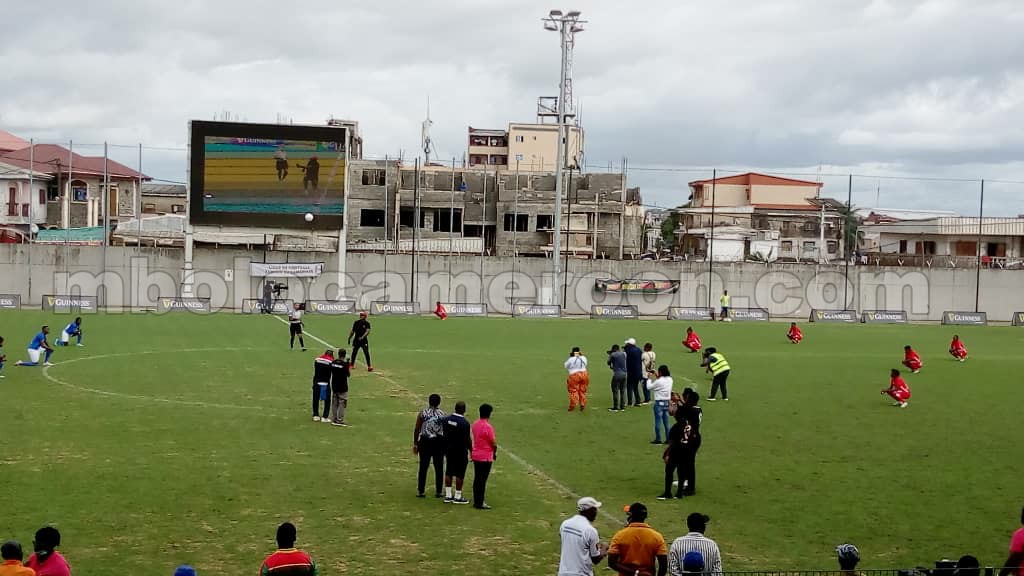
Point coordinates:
pixel 794 332
pixel 54 565
pixel 911 356
pixel 693 341
pixel 898 384
pixel 440 310
pixel 958 346
pixel 288 562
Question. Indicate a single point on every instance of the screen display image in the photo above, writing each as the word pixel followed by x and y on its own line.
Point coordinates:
pixel 260 175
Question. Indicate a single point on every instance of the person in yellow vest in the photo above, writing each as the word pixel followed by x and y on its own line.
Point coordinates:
pixel 724 301
pixel 578 381
pixel 718 366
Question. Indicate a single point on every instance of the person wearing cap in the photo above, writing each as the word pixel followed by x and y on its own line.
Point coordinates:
pixel 184 570
pixel 695 542
pixel 848 557
pixel 581 545
pixel 638 549
pixel 359 338
pixel 578 381
pixel 288 560
pixel 634 374
pixel 12 557
pixel 47 561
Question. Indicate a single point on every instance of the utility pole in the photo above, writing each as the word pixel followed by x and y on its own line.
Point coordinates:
pixel 567 25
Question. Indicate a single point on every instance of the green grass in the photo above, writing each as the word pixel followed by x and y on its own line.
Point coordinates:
pixel 180 438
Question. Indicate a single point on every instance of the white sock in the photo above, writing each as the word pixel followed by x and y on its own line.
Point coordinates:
pixel 448 492
pixel 458 494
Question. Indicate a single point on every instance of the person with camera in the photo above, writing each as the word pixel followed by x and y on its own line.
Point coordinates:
pixel 268 297
pixel 295 326
pixel 578 381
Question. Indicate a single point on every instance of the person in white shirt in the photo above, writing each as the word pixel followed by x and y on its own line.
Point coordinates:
pixel 581 546
pixel 649 360
pixel 579 380
pixel 695 541
pixel 660 385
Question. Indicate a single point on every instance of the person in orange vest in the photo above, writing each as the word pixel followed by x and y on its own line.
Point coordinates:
pixel 579 380
pixel 794 334
pixel 440 312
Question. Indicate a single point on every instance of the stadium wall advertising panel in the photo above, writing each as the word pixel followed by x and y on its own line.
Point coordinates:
pixel 468 309
pixel 681 313
pixel 255 306
pixel 267 175
pixel 748 314
pixel 1018 318
pixel 10 301
pixel 62 303
pixel 405 308
pixel 955 318
pixel 181 304
pixel 834 316
pixel 614 312
pixel 332 307
pixel 884 317
pixel 536 311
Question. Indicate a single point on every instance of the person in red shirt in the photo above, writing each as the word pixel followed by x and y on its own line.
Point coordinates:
pixel 485 450
pixel 898 389
pixel 957 348
pixel 794 334
pixel 692 342
pixel 912 360
pixel 47 561
pixel 440 312
pixel 1014 565
pixel 288 560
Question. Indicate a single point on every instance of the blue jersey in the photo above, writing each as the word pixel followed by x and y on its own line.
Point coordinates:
pixel 37 342
pixel 72 328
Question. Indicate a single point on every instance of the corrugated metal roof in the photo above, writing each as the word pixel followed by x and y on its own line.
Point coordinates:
pixel 952 226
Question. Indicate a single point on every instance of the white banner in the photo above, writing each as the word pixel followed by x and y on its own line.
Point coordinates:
pixel 286 269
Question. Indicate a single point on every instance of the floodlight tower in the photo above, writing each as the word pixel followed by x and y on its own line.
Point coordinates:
pixel 567 25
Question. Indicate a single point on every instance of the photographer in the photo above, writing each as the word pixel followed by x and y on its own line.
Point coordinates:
pixel 268 296
pixel 579 380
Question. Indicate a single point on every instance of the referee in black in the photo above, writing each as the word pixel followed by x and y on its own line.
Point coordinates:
pixel 359 338
pixel 295 326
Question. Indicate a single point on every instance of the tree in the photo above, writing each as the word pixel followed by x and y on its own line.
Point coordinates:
pixel 853 236
pixel 668 229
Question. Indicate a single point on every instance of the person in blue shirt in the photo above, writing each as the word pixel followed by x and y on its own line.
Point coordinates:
pixel 36 347
pixel 73 329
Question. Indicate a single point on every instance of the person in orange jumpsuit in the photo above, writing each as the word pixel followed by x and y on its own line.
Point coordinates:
pixel 578 381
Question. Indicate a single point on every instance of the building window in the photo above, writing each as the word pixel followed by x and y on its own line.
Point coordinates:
pixel 177 208
pixel 373 177
pixel 808 226
pixel 149 208
pixel 517 222
pixel 519 157
pixel 79 191
pixel 833 246
pixel 809 246
pixel 24 210
pixel 787 245
pixel 926 247
pixel 406 217
pixel 903 246
pixel 519 138
pixel 12 202
pixel 371 218
pixel 545 222
pixel 446 220
pixel 42 196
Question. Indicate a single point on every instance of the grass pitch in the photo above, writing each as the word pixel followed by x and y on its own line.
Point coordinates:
pixel 181 438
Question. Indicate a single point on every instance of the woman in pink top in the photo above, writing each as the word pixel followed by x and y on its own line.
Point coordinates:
pixel 47 561
pixel 485 449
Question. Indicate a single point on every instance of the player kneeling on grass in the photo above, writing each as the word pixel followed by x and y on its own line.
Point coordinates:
pixel 38 346
pixel 794 334
pixel 957 348
pixel 912 359
pixel 73 329
pixel 898 389
pixel 692 342
pixel 440 312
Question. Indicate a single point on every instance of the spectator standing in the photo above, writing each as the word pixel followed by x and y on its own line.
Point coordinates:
pixel 649 359
pixel 485 450
pixel 428 443
pixel 695 541
pixel 359 338
pixel 288 560
pixel 1014 565
pixel 634 374
pixel 848 557
pixel 725 301
pixel 638 549
pixel 578 381
pixel 47 561
pixel 458 446
pixel 321 386
pixel 12 557
pixel 340 373
pixel 581 545
pixel 617 363
pixel 661 387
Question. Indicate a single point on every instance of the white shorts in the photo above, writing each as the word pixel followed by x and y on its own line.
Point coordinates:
pixel 34 354
pixel 65 337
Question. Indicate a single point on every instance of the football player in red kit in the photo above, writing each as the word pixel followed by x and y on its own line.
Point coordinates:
pixel 440 312
pixel 692 342
pixel 794 334
pixel 957 349
pixel 898 389
pixel 912 360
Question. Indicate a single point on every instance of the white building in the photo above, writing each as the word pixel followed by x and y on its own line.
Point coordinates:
pixel 24 199
pixel 1002 239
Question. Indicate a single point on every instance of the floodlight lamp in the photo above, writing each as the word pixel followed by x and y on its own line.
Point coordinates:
pixel 555 13
pixel 573 14
pixel 550 26
pixel 575 29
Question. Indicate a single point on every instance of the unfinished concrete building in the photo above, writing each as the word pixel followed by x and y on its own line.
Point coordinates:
pixel 494 212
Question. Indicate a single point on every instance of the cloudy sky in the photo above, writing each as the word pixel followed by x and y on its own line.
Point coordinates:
pixel 880 88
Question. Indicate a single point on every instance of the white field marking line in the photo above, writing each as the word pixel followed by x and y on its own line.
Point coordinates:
pixel 530 468
pixel 192 403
